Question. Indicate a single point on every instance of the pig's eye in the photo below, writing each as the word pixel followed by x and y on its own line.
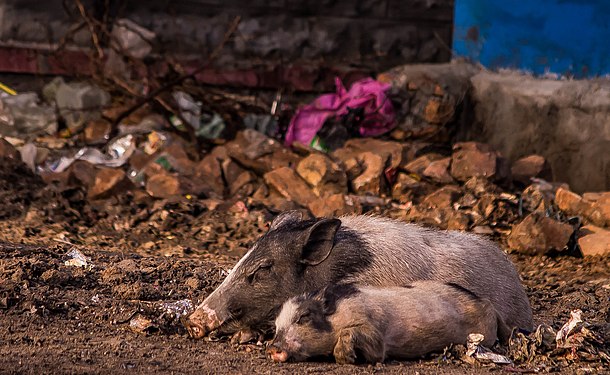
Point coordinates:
pixel 304 318
pixel 260 273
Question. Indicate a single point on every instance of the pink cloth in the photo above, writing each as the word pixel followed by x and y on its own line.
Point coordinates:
pixel 366 93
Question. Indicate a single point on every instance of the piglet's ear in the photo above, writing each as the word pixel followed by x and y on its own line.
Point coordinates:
pixel 286 217
pixel 318 241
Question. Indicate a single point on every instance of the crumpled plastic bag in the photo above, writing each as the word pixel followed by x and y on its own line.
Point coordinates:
pixel 573 341
pixel 369 94
pixel 118 152
pixel 481 353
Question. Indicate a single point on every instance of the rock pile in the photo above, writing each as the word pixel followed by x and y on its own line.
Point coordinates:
pixel 469 187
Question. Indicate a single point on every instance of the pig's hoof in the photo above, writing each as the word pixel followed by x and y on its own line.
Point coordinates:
pixel 244 336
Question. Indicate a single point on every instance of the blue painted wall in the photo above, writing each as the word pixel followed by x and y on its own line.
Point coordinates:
pixel 569 37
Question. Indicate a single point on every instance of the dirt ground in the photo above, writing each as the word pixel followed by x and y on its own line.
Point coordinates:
pixel 118 313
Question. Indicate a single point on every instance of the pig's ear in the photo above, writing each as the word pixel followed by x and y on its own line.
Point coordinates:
pixel 286 217
pixel 318 241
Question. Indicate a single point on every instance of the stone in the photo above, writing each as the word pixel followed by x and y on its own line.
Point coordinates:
pixel 289 185
pixel 163 185
pixel 323 175
pixel 442 198
pixel 371 180
pixel 457 220
pixel 390 152
pixel 438 171
pixel 480 185
pixel 593 241
pixel 83 172
pixel 108 182
pixel 438 112
pixel 334 205
pixel 538 234
pixel 486 205
pixel 259 153
pixel 208 173
pixel 419 165
pixel 348 159
pixel 8 151
pixel 405 188
pixel 179 160
pixel 599 212
pixel 540 195
pixel 472 159
pixel 570 202
pixel 530 166
pixel 97 132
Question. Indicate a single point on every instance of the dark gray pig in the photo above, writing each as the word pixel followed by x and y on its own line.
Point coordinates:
pixel 371 323
pixel 297 256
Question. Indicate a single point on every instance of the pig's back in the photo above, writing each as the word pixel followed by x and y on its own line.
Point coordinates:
pixel 403 253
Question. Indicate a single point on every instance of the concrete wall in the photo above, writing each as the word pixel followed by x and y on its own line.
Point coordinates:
pixel 366 34
pixel 568 122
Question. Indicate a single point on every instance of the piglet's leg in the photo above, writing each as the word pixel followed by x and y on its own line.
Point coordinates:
pixel 345 352
pixel 368 341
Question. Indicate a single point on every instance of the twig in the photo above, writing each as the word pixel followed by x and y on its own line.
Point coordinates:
pixel 94 38
pixel 182 78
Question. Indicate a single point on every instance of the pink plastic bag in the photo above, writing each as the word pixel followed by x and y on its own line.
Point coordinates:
pixel 366 93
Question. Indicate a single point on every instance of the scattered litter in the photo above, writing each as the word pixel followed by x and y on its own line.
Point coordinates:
pixel 23 115
pixel 178 308
pixel 152 122
pixel 367 95
pixel 154 142
pixel 7 89
pixel 208 126
pixel 141 324
pixel 79 102
pixel 132 39
pixel 266 124
pixel 119 151
pixel 566 330
pixel 78 259
pixel 573 342
pixel 482 354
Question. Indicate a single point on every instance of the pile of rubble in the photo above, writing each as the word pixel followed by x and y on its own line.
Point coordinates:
pixel 411 173
pixel 470 187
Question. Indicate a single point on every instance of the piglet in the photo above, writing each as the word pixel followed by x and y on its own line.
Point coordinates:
pixel 373 323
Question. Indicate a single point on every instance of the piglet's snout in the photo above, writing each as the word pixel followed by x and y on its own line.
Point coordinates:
pixel 277 354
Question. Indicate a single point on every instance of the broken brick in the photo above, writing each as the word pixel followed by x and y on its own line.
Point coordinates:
pixel 323 175
pixel 292 187
pixel 593 240
pixel 538 234
pixel 471 159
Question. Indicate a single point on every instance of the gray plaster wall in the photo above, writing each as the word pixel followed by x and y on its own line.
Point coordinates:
pixel 568 122
pixel 374 34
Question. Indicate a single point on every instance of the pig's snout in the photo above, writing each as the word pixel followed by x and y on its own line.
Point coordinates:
pixel 201 322
pixel 277 354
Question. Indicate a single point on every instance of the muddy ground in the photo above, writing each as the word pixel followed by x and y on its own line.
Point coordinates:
pixel 59 318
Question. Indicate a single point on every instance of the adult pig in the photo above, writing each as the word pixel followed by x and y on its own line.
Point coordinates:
pixel 297 256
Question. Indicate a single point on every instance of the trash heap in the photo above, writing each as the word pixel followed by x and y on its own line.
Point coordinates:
pixel 324 162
